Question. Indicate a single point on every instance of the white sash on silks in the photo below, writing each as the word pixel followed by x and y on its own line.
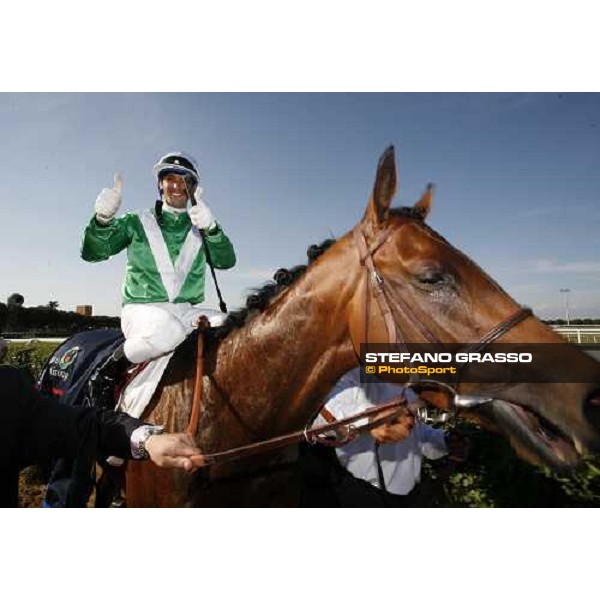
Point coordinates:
pixel 138 393
pixel 173 276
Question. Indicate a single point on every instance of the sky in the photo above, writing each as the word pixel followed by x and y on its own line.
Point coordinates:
pixel 517 182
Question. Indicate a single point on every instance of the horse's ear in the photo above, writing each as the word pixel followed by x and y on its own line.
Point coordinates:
pixel 423 206
pixel 384 189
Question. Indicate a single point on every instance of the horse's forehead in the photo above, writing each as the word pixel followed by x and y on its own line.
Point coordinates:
pixel 414 239
pixel 412 231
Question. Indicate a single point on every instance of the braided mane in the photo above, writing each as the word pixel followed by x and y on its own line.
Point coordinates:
pixel 259 298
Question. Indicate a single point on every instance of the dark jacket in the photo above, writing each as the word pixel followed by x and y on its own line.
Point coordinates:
pixel 36 428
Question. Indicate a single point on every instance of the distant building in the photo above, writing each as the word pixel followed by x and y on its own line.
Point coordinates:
pixel 85 310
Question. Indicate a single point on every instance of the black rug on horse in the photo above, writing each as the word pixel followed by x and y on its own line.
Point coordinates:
pixel 64 379
pixel 68 369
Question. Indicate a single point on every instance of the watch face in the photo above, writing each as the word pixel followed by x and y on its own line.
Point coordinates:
pixel 139 438
pixel 153 430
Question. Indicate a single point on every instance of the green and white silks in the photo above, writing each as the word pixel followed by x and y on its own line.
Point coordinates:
pixel 165 275
pixel 165 263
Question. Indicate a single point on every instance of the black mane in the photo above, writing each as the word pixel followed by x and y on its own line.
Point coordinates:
pixel 411 212
pixel 259 298
pixel 408 212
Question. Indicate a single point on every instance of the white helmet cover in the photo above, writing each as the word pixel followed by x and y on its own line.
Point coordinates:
pixel 177 162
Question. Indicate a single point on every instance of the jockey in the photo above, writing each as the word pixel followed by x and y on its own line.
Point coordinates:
pixel 166 261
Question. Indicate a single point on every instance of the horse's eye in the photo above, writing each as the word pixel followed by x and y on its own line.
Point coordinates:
pixel 433 279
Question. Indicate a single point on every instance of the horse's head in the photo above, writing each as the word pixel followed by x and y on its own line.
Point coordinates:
pixel 415 286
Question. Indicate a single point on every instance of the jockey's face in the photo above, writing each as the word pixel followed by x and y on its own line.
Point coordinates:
pixel 174 190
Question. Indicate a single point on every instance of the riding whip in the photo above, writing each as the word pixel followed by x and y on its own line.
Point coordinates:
pixel 222 304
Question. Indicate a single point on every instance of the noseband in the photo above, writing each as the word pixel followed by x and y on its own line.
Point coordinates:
pixel 385 297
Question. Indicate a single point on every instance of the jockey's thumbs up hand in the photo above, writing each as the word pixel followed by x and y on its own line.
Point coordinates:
pixel 200 214
pixel 109 200
pixel 118 182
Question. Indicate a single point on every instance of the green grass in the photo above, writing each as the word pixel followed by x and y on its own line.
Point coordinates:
pixel 29 355
pixel 493 475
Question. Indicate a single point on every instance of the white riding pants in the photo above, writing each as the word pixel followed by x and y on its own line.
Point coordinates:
pixel 154 329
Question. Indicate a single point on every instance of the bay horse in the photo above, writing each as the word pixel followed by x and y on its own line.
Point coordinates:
pixel 268 371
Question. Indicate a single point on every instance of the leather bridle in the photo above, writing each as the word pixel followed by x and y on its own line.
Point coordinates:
pixel 384 295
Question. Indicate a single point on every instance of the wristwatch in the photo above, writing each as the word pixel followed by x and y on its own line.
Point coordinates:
pixel 140 436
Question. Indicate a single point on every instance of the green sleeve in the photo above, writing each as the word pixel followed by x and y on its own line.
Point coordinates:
pixel 220 248
pixel 100 242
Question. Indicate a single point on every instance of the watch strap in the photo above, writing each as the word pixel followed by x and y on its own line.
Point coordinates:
pixel 140 436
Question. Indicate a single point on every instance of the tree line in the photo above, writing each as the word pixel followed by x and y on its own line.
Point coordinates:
pixel 15 317
pixel 573 321
pixel 47 320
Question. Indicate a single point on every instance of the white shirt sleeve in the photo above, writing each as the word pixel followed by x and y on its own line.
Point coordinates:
pixel 433 442
pixel 348 397
pixel 400 462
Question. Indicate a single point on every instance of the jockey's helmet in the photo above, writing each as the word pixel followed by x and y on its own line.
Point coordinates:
pixel 179 163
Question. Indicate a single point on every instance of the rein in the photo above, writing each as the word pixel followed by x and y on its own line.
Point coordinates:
pixel 333 434
pixel 192 427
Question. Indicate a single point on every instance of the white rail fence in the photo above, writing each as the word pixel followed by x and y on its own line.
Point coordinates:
pixel 579 335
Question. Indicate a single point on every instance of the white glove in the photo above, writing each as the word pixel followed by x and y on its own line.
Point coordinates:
pixel 200 215
pixel 198 195
pixel 109 200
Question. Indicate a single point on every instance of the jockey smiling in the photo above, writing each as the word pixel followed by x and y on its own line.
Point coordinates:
pixel 166 262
